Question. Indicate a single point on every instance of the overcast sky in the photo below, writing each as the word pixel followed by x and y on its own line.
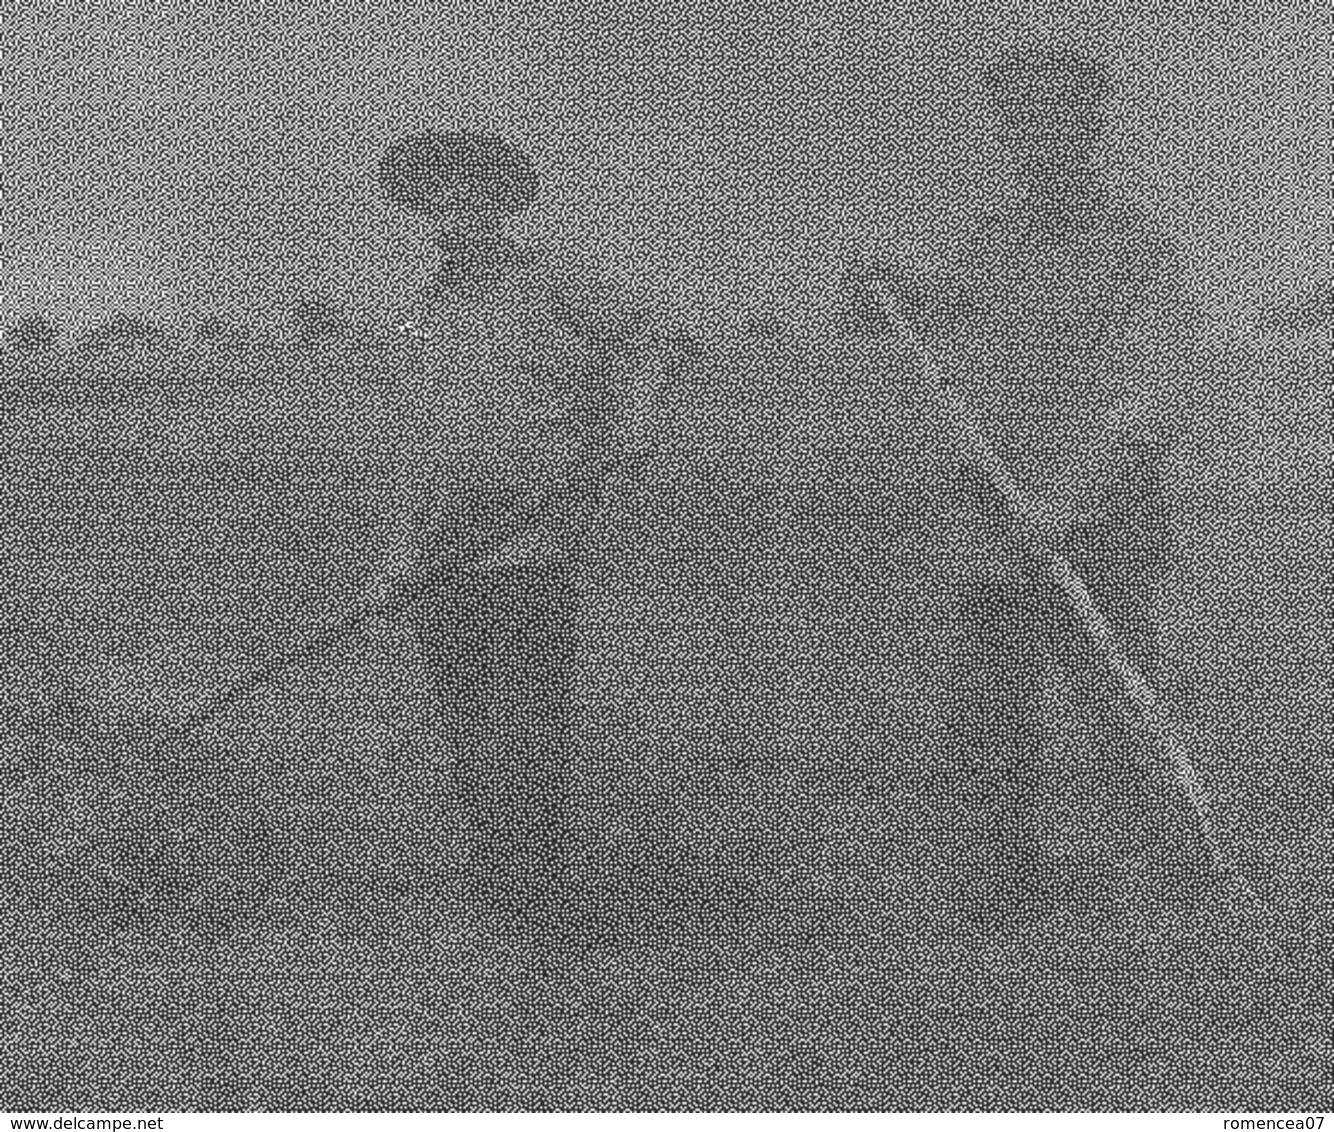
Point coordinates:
pixel 162 160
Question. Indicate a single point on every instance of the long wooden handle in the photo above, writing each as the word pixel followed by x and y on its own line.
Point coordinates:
pixel 473 541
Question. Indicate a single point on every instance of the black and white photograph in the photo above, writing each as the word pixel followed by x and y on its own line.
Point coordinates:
pixel 646 558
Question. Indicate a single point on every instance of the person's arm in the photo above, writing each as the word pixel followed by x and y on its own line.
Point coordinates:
pixel 1157 350
pixel 1118 530
pixel 616 342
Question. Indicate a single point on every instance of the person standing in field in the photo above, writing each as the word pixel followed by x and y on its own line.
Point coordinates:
pixel 497 613
pixel 1063 322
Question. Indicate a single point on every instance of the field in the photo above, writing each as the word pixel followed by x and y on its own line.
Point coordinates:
pixel 767 604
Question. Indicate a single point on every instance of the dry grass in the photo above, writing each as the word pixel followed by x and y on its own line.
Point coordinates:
pixel 347 987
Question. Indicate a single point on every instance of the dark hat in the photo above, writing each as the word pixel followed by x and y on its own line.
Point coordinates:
pixel 1041 77
pixel 417 171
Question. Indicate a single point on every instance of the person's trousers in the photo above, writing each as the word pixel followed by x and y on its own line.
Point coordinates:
pixel 1125 556
pixel 1016 633
pixel 998 744
pixel 501 649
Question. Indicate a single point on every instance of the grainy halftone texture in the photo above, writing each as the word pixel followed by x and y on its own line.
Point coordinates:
pixel 780 780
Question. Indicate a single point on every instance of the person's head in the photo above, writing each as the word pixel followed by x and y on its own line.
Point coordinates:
pixel 463 179
pixel 1050 106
